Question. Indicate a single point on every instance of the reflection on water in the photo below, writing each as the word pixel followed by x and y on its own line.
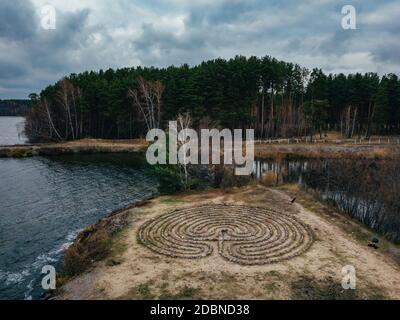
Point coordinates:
pixel 11 129
pixel 280 172
pixel 46 201
pixel 365 189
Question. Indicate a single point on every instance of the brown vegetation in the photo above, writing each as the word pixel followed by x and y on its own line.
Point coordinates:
pixel 263 151
pixel 72 147
pixel 327 151
pixel 94 243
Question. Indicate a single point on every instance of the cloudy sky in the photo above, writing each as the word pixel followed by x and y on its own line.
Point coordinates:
pixel 99 34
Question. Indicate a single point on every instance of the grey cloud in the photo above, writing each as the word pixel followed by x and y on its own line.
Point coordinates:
pixel 166 40
pixel 17 19
pixel 225 12
pixel 11 70
pixel 51 49
pixel 94 35
pixel 43 54
pixel 337 43
pixel 389 52
pixel 161 47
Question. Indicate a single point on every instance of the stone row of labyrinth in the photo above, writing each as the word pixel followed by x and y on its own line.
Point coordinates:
pixel 245 235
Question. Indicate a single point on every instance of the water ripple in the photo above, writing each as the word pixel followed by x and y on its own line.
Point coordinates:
pixel 46 201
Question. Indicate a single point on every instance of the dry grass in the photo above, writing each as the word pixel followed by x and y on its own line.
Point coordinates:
pixel 150 291
pixel 106 142
pixel 329 151
pixel 93 246
pixel 97 242
pixel 311 288
pixel 293 150
pixel 269 178
pixel 72 147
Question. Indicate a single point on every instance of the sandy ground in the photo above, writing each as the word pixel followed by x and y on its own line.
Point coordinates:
pixel 135 272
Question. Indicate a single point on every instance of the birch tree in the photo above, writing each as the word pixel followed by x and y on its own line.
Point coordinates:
pixel 67 95
pixel 147 98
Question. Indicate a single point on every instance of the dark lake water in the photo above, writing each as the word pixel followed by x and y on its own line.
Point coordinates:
pixel 45 202
pixel 11 130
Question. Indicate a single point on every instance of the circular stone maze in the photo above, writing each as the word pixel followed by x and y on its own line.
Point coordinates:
pixel 245 235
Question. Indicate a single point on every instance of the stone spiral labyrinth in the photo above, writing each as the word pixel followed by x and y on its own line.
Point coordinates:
pixel 245 235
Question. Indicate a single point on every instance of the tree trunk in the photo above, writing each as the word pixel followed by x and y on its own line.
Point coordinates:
pixel 354 122
pixel 262 113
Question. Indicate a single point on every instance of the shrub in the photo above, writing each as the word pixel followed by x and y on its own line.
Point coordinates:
pixel 169 178
pixel 269 178
pixel 93 245
pixel 228 179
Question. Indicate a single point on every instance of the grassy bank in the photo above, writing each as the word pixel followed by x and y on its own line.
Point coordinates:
pixel 327 151
pixel 86 146
pixel 263 151
pixel 95 243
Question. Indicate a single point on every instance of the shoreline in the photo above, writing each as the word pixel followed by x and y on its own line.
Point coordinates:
pixel 111 223
pixel 122 227
pixel 290 151
pixel 86 146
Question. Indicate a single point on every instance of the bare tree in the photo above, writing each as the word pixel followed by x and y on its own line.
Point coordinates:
pixel 35 121
pixel 350 116
pixel 183 122
pixel 39 123
pixel 52 127
pixel 147 98
pixel 67 96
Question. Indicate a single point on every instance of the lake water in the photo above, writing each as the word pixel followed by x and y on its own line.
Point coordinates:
pixel 11 130
pixel 45 202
